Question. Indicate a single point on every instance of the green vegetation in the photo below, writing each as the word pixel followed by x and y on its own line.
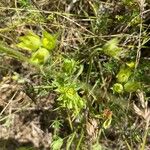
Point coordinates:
pixel 84 70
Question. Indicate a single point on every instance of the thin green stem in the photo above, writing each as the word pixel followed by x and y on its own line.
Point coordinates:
pixel 16 54
pixel 13 53
pixel 145 136
pixel 80 140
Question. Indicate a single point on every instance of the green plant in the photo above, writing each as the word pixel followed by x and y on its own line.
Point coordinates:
pixel 67 89
pixel 123 74
pixel 40 56
pixel 30 42
pixel 13 53
pixel 40 52
pixel 111 48
pixel 57 141
pixel 90 80
pixel 24 3
pixel 132 86
pixel 70 99
pixel 40 48
pixel 48 41
pixel 118 88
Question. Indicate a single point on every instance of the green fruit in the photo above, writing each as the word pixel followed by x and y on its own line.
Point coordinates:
pixel 123 74
pixel 30 42
pixel 132 86
pixel 40 56
pixel 118 88
pixel 111 49
pixel 48 41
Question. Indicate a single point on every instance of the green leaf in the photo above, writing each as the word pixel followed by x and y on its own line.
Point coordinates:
pixel 70 99
pixel 70 141
pixel 48 41
pixel 57 143
pixel 29 42
pixel 40 56
pixel 24 3
pixel 107 123
pixel 132 86
pixel 131 64
pixel 111 49
pixel 69 66
pixel 118 88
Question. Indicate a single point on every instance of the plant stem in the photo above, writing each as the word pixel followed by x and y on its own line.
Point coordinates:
pixel 13 53
pixel 80 140
pixel 145 136
pixel 16 54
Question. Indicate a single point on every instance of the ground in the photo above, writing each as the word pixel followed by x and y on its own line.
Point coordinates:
pixel 74 74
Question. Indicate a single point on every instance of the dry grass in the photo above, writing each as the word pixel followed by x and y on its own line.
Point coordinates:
pixel 28 106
